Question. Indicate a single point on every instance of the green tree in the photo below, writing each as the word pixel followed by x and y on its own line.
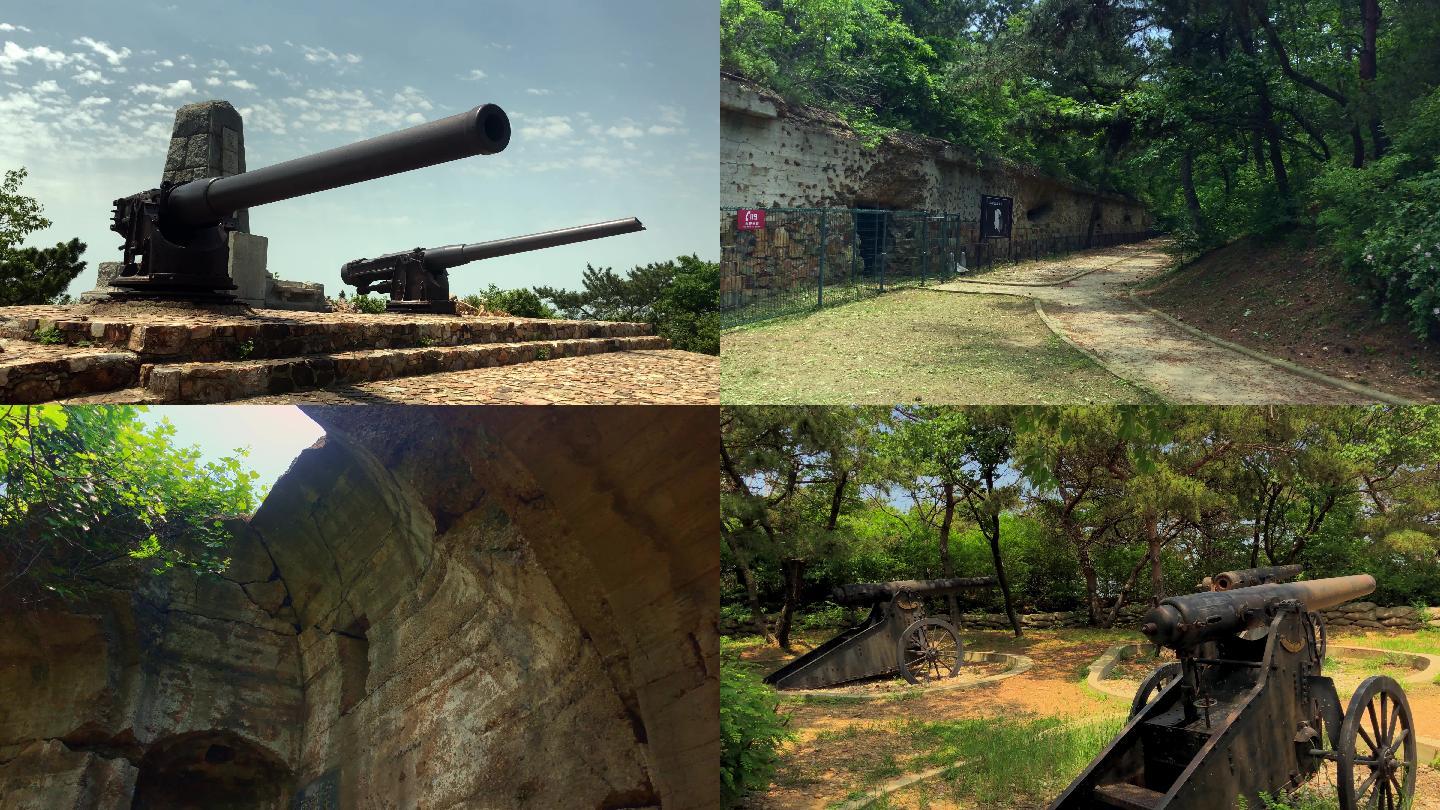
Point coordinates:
pixel 31 275
pixel 85 487
pixel 681 298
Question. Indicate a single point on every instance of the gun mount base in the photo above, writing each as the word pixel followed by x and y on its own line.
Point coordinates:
pixel 445 307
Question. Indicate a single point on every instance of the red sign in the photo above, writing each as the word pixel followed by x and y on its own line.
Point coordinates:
pixel 750 219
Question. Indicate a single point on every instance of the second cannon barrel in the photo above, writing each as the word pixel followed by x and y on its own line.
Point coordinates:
pixel 1185 621
pixel 868 592
pixel 484 130
pixel 455 255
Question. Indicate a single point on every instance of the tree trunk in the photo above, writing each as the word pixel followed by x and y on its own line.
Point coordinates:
pixel 993 534
pixel 1092 586
pixel 1192 201
pixel 1371 23
pixel 794 575
pixel 752 589
pixel 1157 572
pixel 946 568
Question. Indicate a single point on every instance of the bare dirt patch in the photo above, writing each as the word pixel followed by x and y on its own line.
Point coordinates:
pixel 1293 301
pixel 913 346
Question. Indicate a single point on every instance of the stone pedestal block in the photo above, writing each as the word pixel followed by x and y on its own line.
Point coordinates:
pixel 105 273
pixel 247 267
pixel 208 141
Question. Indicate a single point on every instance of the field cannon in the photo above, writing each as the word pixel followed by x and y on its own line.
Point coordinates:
pixel 177 236
pixel 418 280
pixel 1246 711
pixel 1249 577
pixel 897 636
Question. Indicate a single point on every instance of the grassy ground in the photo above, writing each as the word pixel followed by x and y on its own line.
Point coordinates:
pixel 912 346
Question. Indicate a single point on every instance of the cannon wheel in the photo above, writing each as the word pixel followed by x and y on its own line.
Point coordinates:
pixel 1154 684
pixel 929 650
pixel 1376 766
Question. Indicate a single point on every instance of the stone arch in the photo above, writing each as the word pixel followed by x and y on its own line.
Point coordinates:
pixel 216 769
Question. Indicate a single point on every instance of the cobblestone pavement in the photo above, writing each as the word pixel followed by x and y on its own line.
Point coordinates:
pixel 660 377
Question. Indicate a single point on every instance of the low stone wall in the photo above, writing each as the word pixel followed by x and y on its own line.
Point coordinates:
pixel 1370 616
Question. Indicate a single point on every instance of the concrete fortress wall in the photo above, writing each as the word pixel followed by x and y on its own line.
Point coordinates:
pixel 441 608
pixel 773 154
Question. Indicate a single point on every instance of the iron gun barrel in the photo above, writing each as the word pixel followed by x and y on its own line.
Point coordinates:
pixel 484 130
pixel 455 255
pixel 865 593
pixel 1249 577
pixel 1185 621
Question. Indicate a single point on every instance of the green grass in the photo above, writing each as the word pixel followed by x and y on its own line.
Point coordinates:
pixel 913 345
pixel 1002 761
pixel 1423 641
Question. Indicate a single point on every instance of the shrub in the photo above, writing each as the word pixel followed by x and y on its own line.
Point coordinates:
pixel 751 731
pixel 370 305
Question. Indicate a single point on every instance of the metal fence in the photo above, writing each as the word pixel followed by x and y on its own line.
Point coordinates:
pixel 807 258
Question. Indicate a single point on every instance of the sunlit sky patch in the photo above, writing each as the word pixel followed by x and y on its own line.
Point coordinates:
pixel 614 108
pixel 273 434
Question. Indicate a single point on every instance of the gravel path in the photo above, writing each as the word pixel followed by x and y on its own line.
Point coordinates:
pixel 1093 312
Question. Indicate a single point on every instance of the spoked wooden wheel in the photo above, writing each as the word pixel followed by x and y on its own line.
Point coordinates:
pixel 1318 639
pixel 1153 685
pixel 1376 766
pixel 930 649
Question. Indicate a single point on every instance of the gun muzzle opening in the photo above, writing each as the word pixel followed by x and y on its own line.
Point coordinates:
pixel 493 127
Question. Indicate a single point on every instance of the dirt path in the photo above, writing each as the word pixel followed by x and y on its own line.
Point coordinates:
pixel 1094 312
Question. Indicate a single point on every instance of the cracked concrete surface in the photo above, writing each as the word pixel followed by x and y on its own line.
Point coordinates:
pixel 1093 312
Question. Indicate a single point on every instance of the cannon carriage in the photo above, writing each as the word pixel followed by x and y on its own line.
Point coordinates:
pixel 1246 710
pixel 897 636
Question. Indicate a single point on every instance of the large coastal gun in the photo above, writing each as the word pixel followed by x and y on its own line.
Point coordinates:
pixel 418 280
pixel 176 236
pixel 1250 711
pixel 897 636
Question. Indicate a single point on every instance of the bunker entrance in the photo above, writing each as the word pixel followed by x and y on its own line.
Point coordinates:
pixel 872 237
pixel 213 769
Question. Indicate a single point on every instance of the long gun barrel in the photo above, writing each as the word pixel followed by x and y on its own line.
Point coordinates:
pixel 418 280
pixel 1250 577
pixel 176 235
pixel 1182 622
pixel 865 593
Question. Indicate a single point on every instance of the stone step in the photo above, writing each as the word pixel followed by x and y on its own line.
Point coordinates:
pixel 185 334
pixel 31 373
pixel 221 382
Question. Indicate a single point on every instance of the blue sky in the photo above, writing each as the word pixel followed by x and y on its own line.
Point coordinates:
pixel 274 434
pixel 614 107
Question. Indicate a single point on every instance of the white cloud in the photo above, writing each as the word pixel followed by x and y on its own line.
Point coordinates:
pixel 90 76
pixel 173 90
pixel 657 129
pixel 242 84
pixel 412 97
pixel 13 55
pixel 47 86
pixel 537 91
pixel 324 55
pixel 164 63
pixel 111 55
pixel 625 130
pixel 12 27
pixel 214 81
pixel 672 115
pixel 94 101
pixel 475 75
pixel 547 128
pixel 256 50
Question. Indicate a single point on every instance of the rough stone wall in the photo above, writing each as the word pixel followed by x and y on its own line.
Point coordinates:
pixel 776 155
pixel 435 607
pixel 136 681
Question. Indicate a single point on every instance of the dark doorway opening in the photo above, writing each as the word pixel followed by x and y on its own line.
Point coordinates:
pixel 872 238
pixel 216 770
